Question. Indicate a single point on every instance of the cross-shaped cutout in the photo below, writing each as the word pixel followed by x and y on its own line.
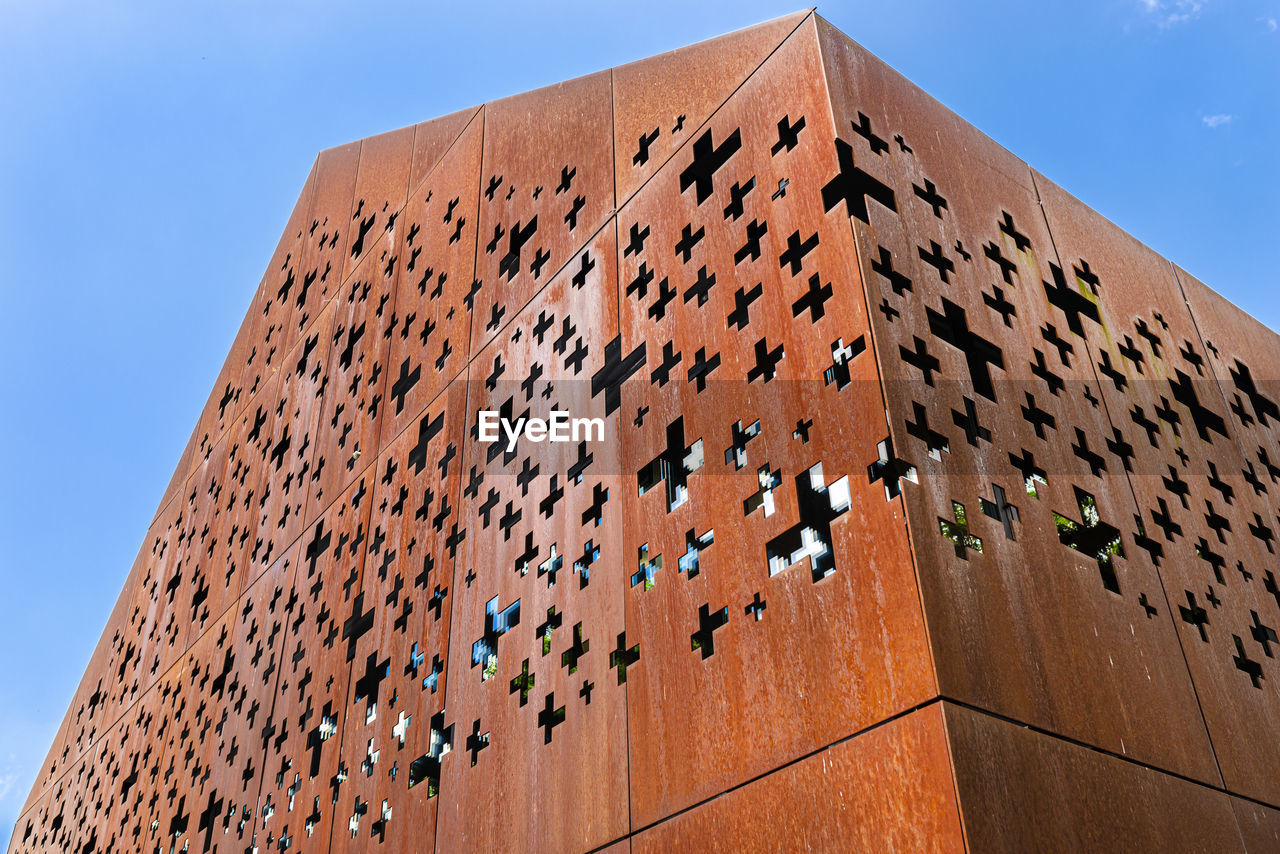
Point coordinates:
pixel 818 505
pixel 957 531
pixel 703 639
pixel 672 466
pixel 1000 510
pixel 689 562
pixel 1093 537
pixel 891 470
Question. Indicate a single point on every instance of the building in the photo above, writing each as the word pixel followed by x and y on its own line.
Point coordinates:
pixel 931 511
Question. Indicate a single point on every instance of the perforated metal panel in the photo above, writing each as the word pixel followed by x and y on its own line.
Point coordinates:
pixel 927 508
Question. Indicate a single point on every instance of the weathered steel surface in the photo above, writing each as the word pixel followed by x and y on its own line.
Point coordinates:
pixel 382 186
pixel 742 312
pixel 96 697
pixel 246 546
pixel 1020 790
pixel 989 389
pixel 433 138
pixel 272 308
pixel 661 102
pixel 888 789
pixel 293 458
pixel 325 239
pixel 888 418
pixel 1259 825
pixel 539 716
pixel 356 379
pixel 1245 358
pixel 434 263
pixel 302 771
pixel 1242 356
pixel 1196 509
pixel 392 738
pixel 546 188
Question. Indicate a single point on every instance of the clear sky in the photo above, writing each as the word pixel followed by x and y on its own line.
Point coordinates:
pixel 151 151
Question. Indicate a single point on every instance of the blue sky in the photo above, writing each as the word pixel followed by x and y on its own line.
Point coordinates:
pixel 150 153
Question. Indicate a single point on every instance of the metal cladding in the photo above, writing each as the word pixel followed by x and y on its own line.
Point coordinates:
pixel 927 509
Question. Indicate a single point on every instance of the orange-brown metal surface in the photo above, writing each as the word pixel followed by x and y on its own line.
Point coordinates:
pixel 1186 474
pixel 430 316
pixel 395 734
pixel 929 509
pixel 433 138
pixel 888 789
pixel 792 652
pixel 540 719
pixel 989 390
pixel 382 185
pixel 1259 825
pixel 546 188
pixel 660 102
pixel 302 769
pixel 1020 790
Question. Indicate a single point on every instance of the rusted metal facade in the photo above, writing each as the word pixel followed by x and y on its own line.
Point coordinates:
pixel 931 510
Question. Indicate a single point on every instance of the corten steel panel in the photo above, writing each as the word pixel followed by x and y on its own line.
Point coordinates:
pixel 1243 355
pixel 207 588
pixel 61 825
pixel 104 692
pixel 1021 790
pixel 223 404
pixel 59 757
pixel 241 550
pixel 255 349
pixel 247 544
pixel 180 472
pixel 50 823
pixel 179 699
pixel 98 691
pixel 216 757
pixel 1245 358
pixel 1196 508
pixel 431 139
pixel 353 406
pixel 177 597
pixel 290 470
pixel 546 187
pixel 141 650
pixel 301 770
pixel 757 407
pixel 224 401
pixel 394 726
pixel 119 780
pixel 662 101
pixel 435 263
pixel 1259 825
pixel 326 238
pixel 538 712
pixel 989 394
pixel 30 830
pixel 382 186
pixel 734 556
pixel 160 602
pixel 889 789
pixel 195 590
pixel 51 768
pixel 272 306
pixel 182 813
